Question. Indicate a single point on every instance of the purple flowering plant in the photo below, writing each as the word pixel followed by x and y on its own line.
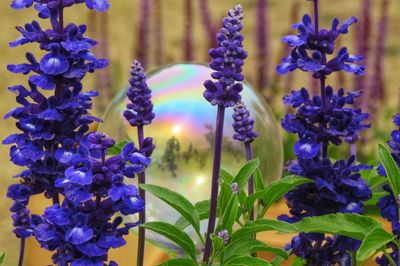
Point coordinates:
pixel 62 159
pixel 85 174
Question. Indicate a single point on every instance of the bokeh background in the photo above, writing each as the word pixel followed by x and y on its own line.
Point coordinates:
pixel 160 32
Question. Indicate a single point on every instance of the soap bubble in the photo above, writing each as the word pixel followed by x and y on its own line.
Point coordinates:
pixel 183 132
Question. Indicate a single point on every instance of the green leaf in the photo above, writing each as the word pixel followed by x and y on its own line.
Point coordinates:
pixel 179 262
pixel 225 196
pixel 392 171
pixel 298 261
pixel 246 261
pixel 346 224
pixel 277 189
pixel 245 172
pixel 258 180
pixel 229 216
pixel 226 177
pixel 373 242
pixel 175 234
pixel 2 257
pixel 176 201
pixel 202 207
pixel 247 246
pixel 372 178
pixel 278 259
pixel 117 148
pixel 375 198
pixel 217 244
pixel 263 225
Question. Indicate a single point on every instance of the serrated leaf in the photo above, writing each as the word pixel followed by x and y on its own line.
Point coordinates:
pixel 175 234
pixel 263 225
pixel 346 224
pixel 226 176
pixel 245 172
pixel 176 201
pixel 179 262
pixel 117 148
pixel 373 242
pixel 246 261
pixel 277 189
pixel 247 246
pixel 230 214
pixel 258 180
pixel 202 207
pixel 392 171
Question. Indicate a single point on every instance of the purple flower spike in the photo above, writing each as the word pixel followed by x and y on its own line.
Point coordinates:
pixel 227 62
pixel 321 120
pixel 243 124
pixel 140 109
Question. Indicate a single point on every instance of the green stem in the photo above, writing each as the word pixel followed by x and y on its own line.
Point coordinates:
pixel 392 262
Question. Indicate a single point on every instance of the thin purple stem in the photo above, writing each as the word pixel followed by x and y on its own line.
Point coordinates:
pixel 323 96
pixel 316 16
pixel 58 89
pixel 142 215
pixel 21 252
pixel 353 150
pixel 219 131
pixel 249 156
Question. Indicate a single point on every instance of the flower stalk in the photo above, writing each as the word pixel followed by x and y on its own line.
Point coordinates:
pixel 219 130
pixel 227 61
pixel 139 113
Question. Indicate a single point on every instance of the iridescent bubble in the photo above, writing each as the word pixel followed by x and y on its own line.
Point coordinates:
pixel 183 131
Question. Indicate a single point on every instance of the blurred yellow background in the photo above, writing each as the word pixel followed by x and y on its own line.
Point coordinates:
pixel 124 15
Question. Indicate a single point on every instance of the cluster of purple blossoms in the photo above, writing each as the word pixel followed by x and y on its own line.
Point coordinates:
pixel 50 127
pixel 227 62
pixel 84 227
pixel 310 49
pixel 59 154
pixel 243 124
pixel 320 120
pixel 140 109
pixel 389 204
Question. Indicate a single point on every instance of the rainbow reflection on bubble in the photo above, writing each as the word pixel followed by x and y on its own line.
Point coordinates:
pixel 183 131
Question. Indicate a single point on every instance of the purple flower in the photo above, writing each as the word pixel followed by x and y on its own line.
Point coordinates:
pixel 140 109
pixel 321 120
pixel 243 124
pixel 227 61
pixel 323 41
pixel 20 4
pixel 310 50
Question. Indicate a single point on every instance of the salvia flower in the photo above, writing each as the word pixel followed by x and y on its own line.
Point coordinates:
pixel 86 225
pixel 388 204
pixel 318 121
pixel 58 154
pixel 243 124
pixel 227 61
pixel 140 109
pixel 310 50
